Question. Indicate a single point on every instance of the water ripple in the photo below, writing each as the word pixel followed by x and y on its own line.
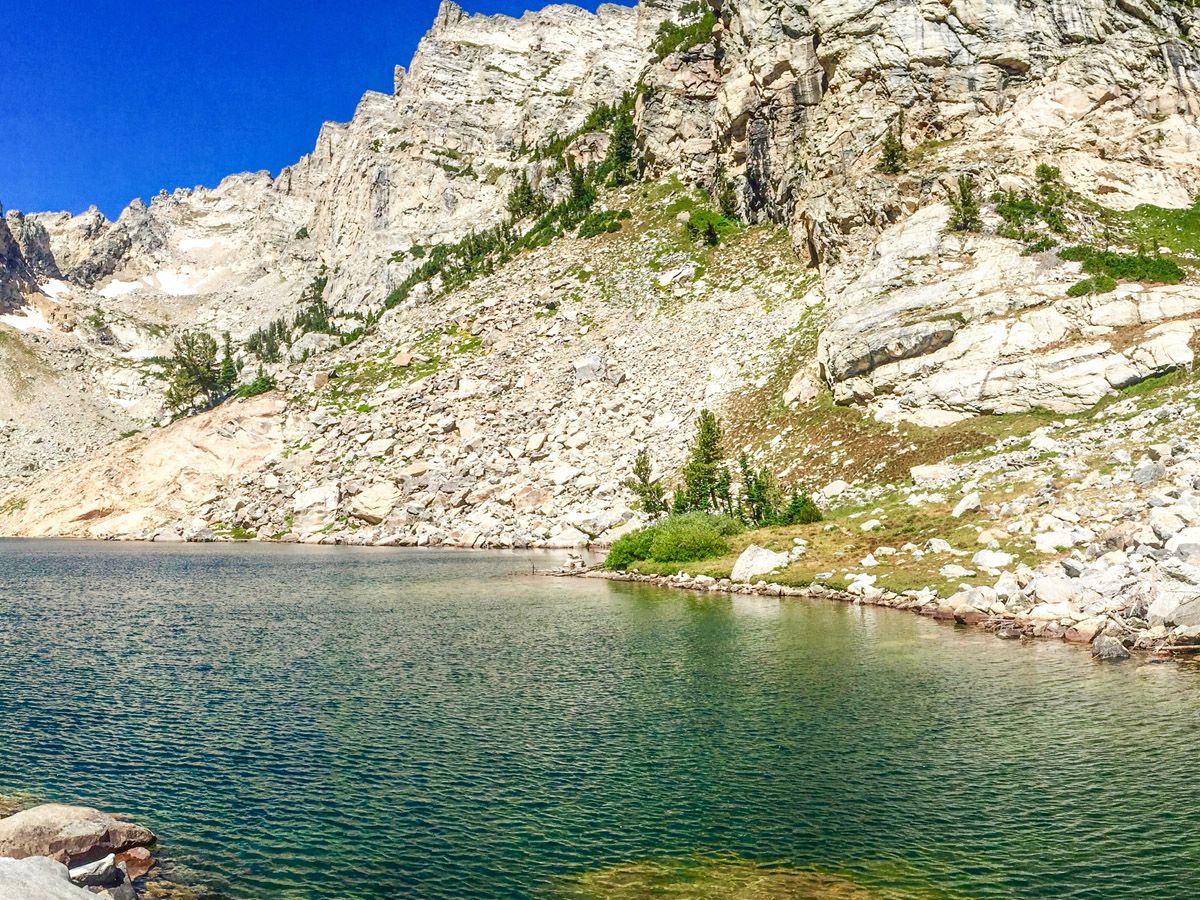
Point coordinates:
pixel 329 722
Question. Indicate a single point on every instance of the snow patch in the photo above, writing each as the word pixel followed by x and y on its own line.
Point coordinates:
pixel 56 288
pixel 31 320
pixel 186 244
pixel 179 284
pixel 116 288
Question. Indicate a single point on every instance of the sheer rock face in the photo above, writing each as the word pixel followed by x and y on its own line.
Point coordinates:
pixel 428 163
pixel 792 102
pixel 437 159
pixel 797 97
pixel 17 278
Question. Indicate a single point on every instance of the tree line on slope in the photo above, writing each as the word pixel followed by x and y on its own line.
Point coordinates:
pixel 714 498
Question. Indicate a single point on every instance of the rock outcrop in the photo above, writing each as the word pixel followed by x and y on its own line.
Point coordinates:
pixel 153 484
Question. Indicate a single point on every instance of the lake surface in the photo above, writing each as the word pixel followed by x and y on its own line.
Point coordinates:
pixel 315 722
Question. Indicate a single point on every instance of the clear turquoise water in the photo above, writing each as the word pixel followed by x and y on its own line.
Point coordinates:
pixel 327 722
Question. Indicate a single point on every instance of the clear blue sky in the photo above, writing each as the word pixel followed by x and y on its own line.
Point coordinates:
pixel 102 101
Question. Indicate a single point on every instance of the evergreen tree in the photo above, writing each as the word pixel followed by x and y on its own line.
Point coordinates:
pixel 193 373
pixel 523 200
pixel 701 473
pixel 621 150
pixel 229 372
pixel 760 503
pixel 894 158
pixel 727 197
pixel 648 491
pixel 964 206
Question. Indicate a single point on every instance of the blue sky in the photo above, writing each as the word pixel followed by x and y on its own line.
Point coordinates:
pixel 102 101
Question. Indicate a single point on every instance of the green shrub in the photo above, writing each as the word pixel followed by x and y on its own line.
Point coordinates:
pixel 673 37
pixel 800 510
pixel 1014 208
pixel 1038 246
pixel 1124 266
pixel 260 385
pixel 1099 284
pixel 683 539
pixel 724 525
pixel 606 222
pixel 631 548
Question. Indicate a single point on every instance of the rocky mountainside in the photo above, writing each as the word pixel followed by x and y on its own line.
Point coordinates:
pixel 91 300
pixel 850 309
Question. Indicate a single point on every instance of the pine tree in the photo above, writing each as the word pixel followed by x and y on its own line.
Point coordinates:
pixel 229 372
pixel 648 491
pixel 621 151
pixel 701 473
pixel 964 206
pixel 894 158
pixel 523 200
pixel 194 375
pixel 760 503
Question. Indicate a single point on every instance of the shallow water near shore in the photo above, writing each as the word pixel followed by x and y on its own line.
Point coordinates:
pixel 331 722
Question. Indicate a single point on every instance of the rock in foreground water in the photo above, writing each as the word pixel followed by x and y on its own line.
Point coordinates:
pixel 69 834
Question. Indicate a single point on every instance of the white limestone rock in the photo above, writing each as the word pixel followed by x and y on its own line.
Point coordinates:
pixel 755 561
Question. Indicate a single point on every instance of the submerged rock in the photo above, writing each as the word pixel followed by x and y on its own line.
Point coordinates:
pixel 1109 648
pixel 730 876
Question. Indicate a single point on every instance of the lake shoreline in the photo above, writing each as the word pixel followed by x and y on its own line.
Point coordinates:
pixel 1119 644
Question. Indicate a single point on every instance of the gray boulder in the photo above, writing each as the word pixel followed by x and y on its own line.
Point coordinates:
pixel 38 878
pixel 1108 648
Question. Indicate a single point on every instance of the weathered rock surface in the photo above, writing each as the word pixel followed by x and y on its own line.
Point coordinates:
pixel 70 834
pixel 152 480
pixel 38 878
pixel 756 561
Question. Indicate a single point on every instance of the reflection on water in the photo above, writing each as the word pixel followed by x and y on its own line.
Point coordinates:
pixel 327 722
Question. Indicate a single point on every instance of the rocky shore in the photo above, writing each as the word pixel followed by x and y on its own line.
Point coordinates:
pixel 1106 644
pixel 53 851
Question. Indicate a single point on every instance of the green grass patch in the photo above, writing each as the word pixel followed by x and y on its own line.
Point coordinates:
pixel 1176 229
pixel 1124 266
pixel 12 506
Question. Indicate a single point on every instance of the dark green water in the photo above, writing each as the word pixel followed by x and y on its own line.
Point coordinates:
pixel 326 722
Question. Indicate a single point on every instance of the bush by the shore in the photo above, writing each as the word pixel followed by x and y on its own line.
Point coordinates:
pixel 680 538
